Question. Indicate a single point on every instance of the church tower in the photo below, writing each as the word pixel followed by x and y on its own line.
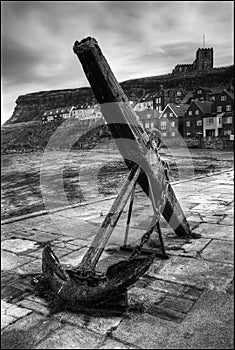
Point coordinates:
pixel 204 59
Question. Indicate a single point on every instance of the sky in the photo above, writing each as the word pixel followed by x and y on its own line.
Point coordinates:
pixel 138 39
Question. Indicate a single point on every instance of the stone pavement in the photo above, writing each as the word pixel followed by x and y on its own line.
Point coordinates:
pixel 184 302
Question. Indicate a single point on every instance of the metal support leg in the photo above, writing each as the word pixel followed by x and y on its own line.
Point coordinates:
pixel 97 246
pixel 160 237
pixel 129 216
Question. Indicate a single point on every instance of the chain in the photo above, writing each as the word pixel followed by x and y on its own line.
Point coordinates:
pixel 161 201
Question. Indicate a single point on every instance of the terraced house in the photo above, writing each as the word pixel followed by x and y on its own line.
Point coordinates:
pixel 144 104
pixel 193 119
pixel 223 108
pixel 149 119
pixel 55 114
pixel 170 120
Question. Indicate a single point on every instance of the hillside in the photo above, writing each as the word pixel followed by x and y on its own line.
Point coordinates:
pixel 24 131
pixel 30 107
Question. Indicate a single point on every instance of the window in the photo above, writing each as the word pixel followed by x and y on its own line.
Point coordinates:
pixel 210 120
pixel 199 92
pixel 164 134
pixel 188 134
pixel 188 124
pixel 227 132
pixel 178 93
pixel 163 125
pixel 228 120
pixel 173 124
pixel 171 114
pixel 190 113
pixel 164 115
pixel 220 120
pixel 197 112
pixel 152 125
pixel 223 98
pixel 228 108
pixel 158 100
pixel 199 122
pixel 212 98
pixel 219 108
pixel 173 133
pixel 147 125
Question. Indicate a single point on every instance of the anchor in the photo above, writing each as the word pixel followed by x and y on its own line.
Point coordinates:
pixel 83 285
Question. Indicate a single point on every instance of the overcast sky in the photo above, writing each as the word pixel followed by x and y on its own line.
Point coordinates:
pixel 137 38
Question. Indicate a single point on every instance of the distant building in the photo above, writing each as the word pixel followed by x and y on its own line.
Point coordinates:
pixel 86 112
pixel 187 98
pixel 201 93
pixel 192 125
pixel 223 106
pixel 203 62
pixel 149 119
pixel 214 92
pixel 161 99
pixel 212 125
pixel 56 114
pixel 144 104
pixel 170 120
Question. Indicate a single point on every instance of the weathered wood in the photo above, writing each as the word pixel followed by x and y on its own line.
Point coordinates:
pixel 129 215
pixel 129 135
pixel 97 246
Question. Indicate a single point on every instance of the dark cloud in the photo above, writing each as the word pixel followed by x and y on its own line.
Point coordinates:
pixel 138 39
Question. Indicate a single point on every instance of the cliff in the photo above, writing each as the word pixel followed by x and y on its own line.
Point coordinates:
pixel 30 107
pixel 24 131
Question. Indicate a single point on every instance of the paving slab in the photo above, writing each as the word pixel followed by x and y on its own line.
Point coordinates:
pixel 209 325
pixel 35 306
pixel 218 250
pixel 194 272
pixel 216 231
pixel 114 344
pixel 71 337
pixel 26 332
pixel 228 220
pixel 18 245
pixel 10 313
pixel 98 324
pixel 10 261
pixel 175 289
pixel 34 266
pixel 77 228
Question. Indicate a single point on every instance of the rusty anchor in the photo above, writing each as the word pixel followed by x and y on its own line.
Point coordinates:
pixel 83 285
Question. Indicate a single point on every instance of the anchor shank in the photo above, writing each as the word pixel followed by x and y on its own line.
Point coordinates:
pixel 124 125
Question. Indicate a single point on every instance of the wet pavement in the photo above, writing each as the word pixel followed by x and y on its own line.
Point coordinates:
pixel 185 301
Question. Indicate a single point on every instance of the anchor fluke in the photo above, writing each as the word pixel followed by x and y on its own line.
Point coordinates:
pixel 87 290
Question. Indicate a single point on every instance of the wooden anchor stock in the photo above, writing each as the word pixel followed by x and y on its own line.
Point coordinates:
pixel 124 126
